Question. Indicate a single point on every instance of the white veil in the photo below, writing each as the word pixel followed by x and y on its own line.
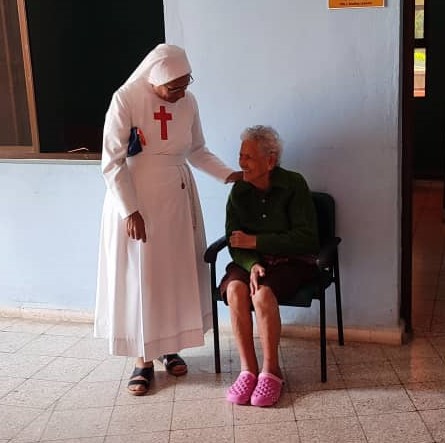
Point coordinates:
pixel 162 65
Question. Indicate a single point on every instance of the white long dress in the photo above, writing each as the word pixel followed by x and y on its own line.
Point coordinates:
pixel 153 298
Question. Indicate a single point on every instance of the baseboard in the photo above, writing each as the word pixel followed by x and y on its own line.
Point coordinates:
pixel 51 315
pixel 376 335
pixel 387 336
pixel 391 336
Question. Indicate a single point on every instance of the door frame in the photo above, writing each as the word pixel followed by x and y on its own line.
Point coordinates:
pixel 407 134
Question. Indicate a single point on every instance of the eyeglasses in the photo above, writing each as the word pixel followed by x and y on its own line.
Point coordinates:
pixel 180 88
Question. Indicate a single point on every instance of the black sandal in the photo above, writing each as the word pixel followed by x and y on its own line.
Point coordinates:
pixel 172 361
pixel 147 373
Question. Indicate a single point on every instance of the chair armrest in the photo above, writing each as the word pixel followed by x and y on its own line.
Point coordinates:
pixel 327 253
pixel 212 251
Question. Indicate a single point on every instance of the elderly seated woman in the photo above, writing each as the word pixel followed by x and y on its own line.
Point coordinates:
pixel 272 231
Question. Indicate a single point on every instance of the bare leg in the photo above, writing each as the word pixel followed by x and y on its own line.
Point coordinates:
pixel 239 301
pixel 140 363
pixel 269 328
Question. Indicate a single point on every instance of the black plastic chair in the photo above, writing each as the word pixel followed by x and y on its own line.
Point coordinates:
pixel 328 273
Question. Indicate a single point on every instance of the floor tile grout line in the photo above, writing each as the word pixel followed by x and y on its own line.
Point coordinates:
pixel 426 426
pixel 113 407
pixel 439 354
pixel 357 416
pixel 43 411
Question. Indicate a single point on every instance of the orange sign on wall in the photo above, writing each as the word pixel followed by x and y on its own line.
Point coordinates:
pixel 337 4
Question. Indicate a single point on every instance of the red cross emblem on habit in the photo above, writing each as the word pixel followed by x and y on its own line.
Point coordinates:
pixel 163 117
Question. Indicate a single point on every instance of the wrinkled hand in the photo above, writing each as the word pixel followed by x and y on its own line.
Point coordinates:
pixel 136 227
pixel 239 239
pixel 234 177
pixel 255 272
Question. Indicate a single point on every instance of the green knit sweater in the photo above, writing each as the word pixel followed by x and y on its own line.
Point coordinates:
pixel 283 218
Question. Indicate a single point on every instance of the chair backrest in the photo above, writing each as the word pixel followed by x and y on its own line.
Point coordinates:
pixel 325 208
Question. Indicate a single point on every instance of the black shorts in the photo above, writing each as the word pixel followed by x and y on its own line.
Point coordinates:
pixel 284 279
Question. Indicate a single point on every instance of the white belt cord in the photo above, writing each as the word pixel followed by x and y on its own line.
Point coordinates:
pixel 187 183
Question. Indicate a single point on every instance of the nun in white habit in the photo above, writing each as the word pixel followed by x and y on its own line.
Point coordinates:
pixel 153 284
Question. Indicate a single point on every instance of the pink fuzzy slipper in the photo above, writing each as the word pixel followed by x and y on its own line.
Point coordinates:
pixel 240 392
pixel 267 391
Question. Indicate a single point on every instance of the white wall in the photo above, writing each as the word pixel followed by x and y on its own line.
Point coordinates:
pixel 328 81
pixel 49 232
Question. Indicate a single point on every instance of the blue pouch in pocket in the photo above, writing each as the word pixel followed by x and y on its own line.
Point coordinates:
pixel 135 142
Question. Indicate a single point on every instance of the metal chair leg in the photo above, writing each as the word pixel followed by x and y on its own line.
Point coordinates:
pixel 341 339
pixel 216 350
pixel 323 337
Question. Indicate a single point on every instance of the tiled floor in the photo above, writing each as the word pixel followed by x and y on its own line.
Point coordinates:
pixel 428 259
pixel 58 384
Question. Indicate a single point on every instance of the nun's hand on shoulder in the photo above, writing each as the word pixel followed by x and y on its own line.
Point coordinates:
pixel 234 177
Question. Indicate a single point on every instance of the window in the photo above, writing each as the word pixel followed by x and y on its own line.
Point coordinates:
pixel 17 116
pixel 60 62
pixel 420 52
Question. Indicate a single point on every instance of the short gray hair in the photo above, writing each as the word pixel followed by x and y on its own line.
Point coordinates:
pixel 267 138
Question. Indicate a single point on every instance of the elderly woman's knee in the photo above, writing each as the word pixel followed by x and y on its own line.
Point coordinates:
pixel 264 298
pixel 237 292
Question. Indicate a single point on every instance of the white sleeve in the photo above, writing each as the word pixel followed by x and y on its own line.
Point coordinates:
pixel 114 154
pixel 200 157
